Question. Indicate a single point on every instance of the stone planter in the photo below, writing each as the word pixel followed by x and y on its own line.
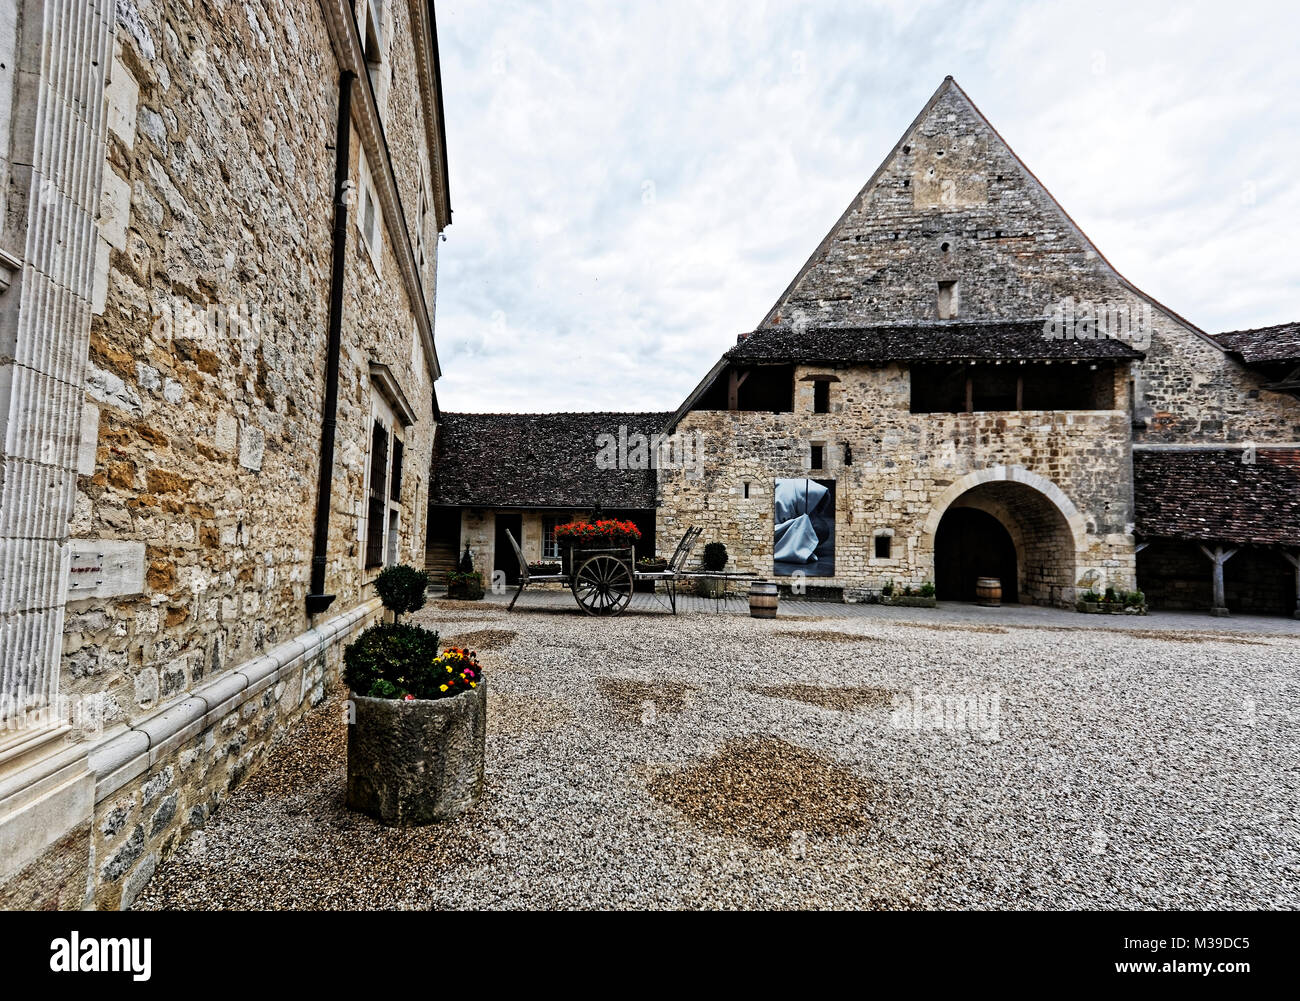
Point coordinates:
pixel 910 601
pixel 1109 608
pixel 711 587
pixel 466 590
pixel 417 762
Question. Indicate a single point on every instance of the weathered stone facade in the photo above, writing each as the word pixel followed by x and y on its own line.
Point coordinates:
pixel 906 469
pixel 953 226
pixel 187 643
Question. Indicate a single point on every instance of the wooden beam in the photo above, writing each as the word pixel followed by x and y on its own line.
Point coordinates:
pixel 1294 560
pixel 735 379
pixel 1219 557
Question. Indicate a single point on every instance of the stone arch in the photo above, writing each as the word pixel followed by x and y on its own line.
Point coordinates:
pixel 1049 533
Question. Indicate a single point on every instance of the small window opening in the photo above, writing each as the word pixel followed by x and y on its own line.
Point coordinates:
pixel 817 454
pixel 882 546
pixel 848 454
pixel 821 397
pixel 746 490
pixel 948 303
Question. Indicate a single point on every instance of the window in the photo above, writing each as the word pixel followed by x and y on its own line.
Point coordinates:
pixel 822 396
pixel 948 300
pixel 817 456
pixel 383 488
pixel 550 547
pixel 848 454
pixel 883 543
pixel 376 48
pixel 746 490
pixel 368 216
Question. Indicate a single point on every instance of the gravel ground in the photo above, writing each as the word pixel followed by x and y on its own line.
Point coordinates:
pixel 726 762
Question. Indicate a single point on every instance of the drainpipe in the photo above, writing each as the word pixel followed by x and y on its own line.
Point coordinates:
pixel 317 599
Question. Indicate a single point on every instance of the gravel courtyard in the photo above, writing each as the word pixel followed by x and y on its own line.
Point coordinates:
pixel 823 759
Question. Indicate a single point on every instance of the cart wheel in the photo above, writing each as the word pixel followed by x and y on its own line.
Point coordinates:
pixel 603 585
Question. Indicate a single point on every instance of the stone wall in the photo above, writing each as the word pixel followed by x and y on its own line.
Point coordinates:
pixel 187 648
pixel 906 470
pixel 208 437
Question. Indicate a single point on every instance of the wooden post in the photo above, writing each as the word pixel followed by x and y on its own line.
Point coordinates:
pixel 1295 562
pixel 970 392
pixel 735 380
pixel 1020 391
pixel 1219 557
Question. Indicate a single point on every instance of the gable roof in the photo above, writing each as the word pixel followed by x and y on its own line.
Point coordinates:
pixel 1264 345
pixel 950 87
pixel 1002 340
pixel 538 461
pixel 1211 495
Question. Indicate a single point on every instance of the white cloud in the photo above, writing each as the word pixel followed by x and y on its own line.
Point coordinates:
pixel 635 184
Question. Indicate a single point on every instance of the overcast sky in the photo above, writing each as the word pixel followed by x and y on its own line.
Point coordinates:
pixel 635 183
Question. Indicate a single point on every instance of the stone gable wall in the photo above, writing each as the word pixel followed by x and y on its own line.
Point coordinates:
pixel 953 183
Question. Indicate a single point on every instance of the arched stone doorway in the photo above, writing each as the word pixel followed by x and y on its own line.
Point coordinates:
pixel 970 544
pixel 1009 523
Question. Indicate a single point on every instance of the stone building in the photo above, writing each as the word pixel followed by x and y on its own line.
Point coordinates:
pixel 219 242
pixel 957 383
pixel 527 473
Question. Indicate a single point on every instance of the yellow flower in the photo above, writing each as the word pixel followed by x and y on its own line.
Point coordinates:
pixel 443 688
pixel 473 684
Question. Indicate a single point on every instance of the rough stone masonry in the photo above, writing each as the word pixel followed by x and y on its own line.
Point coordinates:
pixel 154 627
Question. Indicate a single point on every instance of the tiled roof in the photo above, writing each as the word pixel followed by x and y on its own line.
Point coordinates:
pixel 1212 495
pixel 538 460
pixel 1264 345
pixel 1023 340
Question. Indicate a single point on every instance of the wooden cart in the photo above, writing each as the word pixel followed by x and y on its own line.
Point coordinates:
pixel 602 577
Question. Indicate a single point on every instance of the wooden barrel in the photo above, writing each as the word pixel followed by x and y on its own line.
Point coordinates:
pixel 763 599
pixel 988 591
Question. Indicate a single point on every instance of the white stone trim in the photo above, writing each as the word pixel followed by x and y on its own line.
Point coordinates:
pixel 131 753
pixel 63 63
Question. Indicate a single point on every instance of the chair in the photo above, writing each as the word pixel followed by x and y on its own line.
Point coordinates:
pixel 675 565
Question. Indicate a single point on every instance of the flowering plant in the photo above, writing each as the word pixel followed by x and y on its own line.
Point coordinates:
pixel 462 671
pixel 606 532
pixel 402 662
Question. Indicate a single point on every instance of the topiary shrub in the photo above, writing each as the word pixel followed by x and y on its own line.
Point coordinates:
pixel 392 660
pixel 401 588
pixel 715 557
pixel 466 563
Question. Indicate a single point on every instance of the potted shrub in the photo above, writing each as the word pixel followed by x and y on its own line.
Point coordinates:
pixel 652 564
pixel 1112 602
pixel 465 583
pixel 545 568
pixel 417 726
pixel 714 561
pixel 417 720
pixel 402 589
pixel 910 597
